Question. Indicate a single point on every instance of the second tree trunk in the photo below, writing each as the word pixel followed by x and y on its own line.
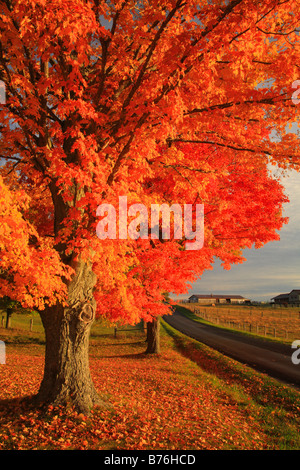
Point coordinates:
pixel 153 336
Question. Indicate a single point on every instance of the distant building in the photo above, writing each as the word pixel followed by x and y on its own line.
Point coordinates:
pixel 218 299
pixel 292 298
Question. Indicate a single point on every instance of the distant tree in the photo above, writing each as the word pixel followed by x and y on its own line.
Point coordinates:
pixel 8 306
pixel 11 306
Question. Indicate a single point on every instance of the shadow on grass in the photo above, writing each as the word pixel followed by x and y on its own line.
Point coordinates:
pixel 95 335
pixel 135 356
pixel 18 336
pixel 22 340
pixel 263 389
pixel 25 403
pixel 126 343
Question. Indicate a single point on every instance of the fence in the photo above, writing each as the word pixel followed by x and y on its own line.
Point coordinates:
pixel 139 327
pixel 277 324
pixel 7 324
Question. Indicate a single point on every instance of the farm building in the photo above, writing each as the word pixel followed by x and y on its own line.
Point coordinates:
pixel 292 298
pixel 218 299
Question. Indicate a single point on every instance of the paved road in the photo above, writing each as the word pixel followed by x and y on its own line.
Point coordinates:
pixel 268 357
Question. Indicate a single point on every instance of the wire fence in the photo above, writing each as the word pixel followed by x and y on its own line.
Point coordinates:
pixel 275 323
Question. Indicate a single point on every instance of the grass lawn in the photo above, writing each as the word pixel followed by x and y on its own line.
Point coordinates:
pixel 188 397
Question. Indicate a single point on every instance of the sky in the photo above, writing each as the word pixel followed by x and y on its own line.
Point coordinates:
pixel 268 271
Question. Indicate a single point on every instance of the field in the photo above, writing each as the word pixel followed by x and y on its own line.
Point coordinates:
pixel 274 322
pixel 188 397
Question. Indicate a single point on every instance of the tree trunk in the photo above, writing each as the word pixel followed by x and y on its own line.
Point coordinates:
pixel 67 376
pixel 153 336
pixel 9 312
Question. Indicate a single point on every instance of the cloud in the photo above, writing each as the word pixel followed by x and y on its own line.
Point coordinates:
pixel 268 271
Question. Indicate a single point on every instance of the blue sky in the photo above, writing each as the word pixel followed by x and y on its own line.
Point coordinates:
pixel 271 270
pixel 268 271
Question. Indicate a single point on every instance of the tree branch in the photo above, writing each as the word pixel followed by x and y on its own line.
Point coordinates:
pixel 237 103
pixel 152 48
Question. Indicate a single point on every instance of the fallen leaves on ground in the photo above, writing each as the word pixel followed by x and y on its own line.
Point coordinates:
pixel 158 402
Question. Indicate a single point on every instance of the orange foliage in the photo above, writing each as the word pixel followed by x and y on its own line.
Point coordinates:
pixel 159 102
pixel 30 270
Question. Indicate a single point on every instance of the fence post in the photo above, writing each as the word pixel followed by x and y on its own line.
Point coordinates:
pixel 31 323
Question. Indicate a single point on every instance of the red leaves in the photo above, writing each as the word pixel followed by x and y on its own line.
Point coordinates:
pixel 166 402
pixel 164 104
pixel 193 399
pixel 30 268
pixel 104 108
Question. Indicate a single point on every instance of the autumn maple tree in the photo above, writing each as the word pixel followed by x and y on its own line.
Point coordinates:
pixel 161 102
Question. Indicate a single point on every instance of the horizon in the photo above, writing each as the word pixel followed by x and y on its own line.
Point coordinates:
pixel 268 271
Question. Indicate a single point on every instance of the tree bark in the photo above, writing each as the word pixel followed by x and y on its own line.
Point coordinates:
pixel 67 376
pixel 9 312
pixel 153 336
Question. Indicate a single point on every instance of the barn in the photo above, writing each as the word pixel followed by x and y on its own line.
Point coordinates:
pixel 218 299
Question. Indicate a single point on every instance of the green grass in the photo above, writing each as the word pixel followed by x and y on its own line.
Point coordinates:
pixel 21 321
pixel 186 374
pixel 275 406
pixel 192 316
